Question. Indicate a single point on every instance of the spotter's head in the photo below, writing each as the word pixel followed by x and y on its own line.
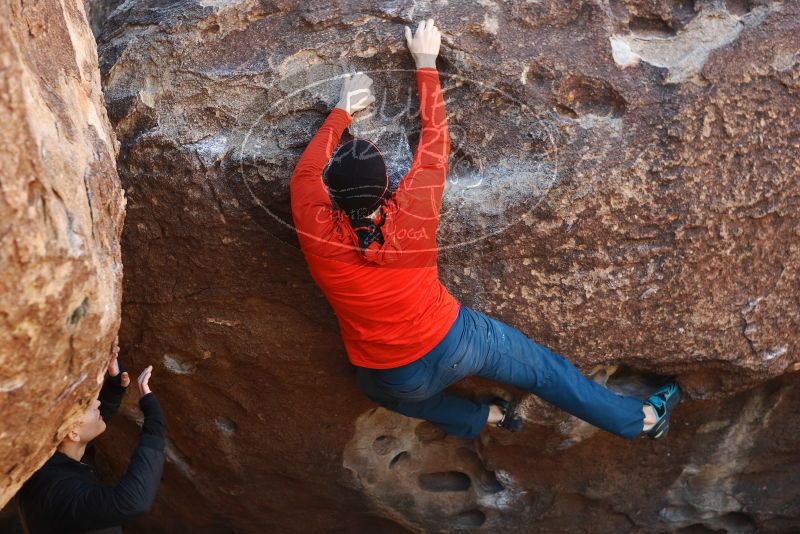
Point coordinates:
pixel 89 427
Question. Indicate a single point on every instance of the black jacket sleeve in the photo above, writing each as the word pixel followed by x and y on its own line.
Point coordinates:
pixel 94 506
pixel 111 395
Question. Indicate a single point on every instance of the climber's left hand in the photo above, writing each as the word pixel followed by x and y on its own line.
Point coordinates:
pixel 356 93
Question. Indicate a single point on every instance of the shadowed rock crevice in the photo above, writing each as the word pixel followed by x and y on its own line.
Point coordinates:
pixel 650 26
pixel 399 459
pixel 445 481
pixel 470 518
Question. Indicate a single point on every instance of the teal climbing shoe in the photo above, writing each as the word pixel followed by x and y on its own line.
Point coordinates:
pixel 663 400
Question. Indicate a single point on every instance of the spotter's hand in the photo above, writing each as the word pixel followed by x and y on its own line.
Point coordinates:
pixel 113 367
pixel 144 378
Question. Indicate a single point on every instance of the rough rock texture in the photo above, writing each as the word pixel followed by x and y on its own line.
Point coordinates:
pixel 623 188
pixel 729 466
pixel 61 216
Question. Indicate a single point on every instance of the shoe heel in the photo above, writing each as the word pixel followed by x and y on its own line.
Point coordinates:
pixel 663 432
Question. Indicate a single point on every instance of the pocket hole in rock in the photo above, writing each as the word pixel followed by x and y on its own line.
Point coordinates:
pixel 79 312
pixel 383 445
pixel 627 380
pixel 581 95
pixel 650 26
pixel 399 458
pixel 489 483
pixel 738 522
pixel 445 481
pixel 470 518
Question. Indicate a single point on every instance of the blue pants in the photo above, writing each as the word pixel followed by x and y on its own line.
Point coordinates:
pixel 478 345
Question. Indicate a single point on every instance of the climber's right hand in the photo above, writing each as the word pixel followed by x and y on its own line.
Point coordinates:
pixel 144 387
pixel 356 93
pixel 424 45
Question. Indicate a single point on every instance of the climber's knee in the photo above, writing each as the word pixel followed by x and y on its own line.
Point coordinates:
pixel 366 383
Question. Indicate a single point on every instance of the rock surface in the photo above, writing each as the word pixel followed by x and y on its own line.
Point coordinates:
pixel 623 188
pixel 61 217
pixel 727 466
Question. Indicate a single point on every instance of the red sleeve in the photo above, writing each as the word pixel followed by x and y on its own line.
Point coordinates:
pixel 312 211
pixel 419 196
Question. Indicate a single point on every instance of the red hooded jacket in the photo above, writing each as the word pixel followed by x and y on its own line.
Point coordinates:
pixel 391 307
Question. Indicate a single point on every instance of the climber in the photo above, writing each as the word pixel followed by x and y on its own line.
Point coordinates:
pixel 65 494
pixel 374 256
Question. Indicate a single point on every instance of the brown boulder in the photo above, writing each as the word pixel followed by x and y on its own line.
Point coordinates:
pixel 61 216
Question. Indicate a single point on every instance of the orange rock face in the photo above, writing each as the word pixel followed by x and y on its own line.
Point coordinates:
pixel 61 216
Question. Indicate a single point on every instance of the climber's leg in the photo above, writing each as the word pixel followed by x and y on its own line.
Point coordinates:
pixel 513 358
pixel 416 389
pixel 451 413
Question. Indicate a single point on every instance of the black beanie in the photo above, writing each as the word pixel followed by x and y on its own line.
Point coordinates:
pixel 357 178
